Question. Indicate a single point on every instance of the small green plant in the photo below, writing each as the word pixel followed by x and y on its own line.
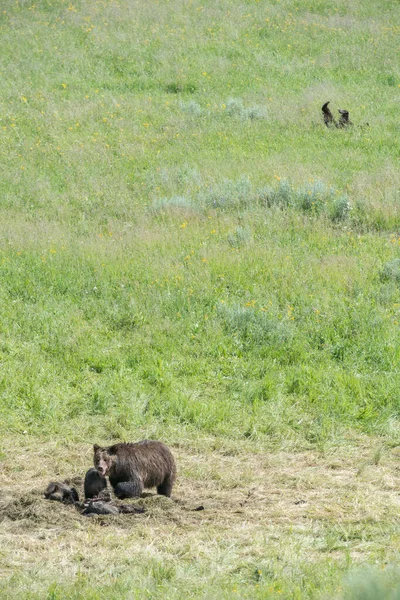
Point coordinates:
pixel 227 195
pixel 240 237
pixel 313 198
pixel 391 271
pixel 192 108
pixel 254 328
pixel 180 88
pixel 174 203
pixel 255 113
pixel 281 196
pixel 339 209
pixel 236 108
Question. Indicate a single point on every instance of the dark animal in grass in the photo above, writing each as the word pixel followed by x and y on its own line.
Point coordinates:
pixel 94 483
pixel 131 467
pixel 328 116
pixel 100 508
pixel 100 505
pixel 344 120
pixel 104 507
pixel 60 491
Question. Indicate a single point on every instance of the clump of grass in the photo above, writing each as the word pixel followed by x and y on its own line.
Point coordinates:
pixel 174 203
pixel 391 271
pixel 254 328
pixel 180 88
pixel 391 80
pixel 240 237
pixel 228 195
pixel 340 209
pixel 191 108
pixel 377 214
pixel 236 108
pixel 313 198
pixel 280 196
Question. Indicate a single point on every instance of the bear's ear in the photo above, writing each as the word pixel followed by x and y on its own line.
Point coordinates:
pixel 96 447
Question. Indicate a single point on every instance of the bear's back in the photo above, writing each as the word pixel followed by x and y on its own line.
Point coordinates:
pixel 150 459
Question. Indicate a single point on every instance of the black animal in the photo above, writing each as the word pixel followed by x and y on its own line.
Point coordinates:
pixel 132 467
pixel 329 120
pixel 101 504
pixel 94 483
pixel 328 116
pixel 100 508
pixel 106 507
pixel 60 491
pixel 344 120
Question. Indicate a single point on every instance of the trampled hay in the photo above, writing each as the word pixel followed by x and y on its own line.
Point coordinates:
pixel 263 511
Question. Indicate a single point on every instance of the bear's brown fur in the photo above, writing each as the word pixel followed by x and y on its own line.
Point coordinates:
pixel 131 467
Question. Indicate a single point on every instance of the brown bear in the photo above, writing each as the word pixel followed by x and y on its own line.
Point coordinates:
pixel 131 467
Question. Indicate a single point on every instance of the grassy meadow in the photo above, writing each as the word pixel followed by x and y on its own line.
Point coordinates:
pixel 188 253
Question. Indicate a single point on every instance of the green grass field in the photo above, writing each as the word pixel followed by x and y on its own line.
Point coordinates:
pixel 187 253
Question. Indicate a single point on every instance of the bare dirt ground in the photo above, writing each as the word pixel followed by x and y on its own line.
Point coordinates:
pixel 260 508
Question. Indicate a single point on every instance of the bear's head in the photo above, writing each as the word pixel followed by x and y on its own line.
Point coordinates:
pixel 102 460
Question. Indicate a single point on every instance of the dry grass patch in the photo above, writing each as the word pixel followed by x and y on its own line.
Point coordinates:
pixel 263 511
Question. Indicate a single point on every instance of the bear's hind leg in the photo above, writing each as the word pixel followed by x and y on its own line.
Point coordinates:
pixel 165 488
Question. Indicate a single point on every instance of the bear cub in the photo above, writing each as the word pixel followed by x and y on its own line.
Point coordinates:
pixel 94 483
pixel 131 467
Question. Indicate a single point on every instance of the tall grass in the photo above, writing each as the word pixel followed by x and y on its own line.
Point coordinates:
pixel 191 311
